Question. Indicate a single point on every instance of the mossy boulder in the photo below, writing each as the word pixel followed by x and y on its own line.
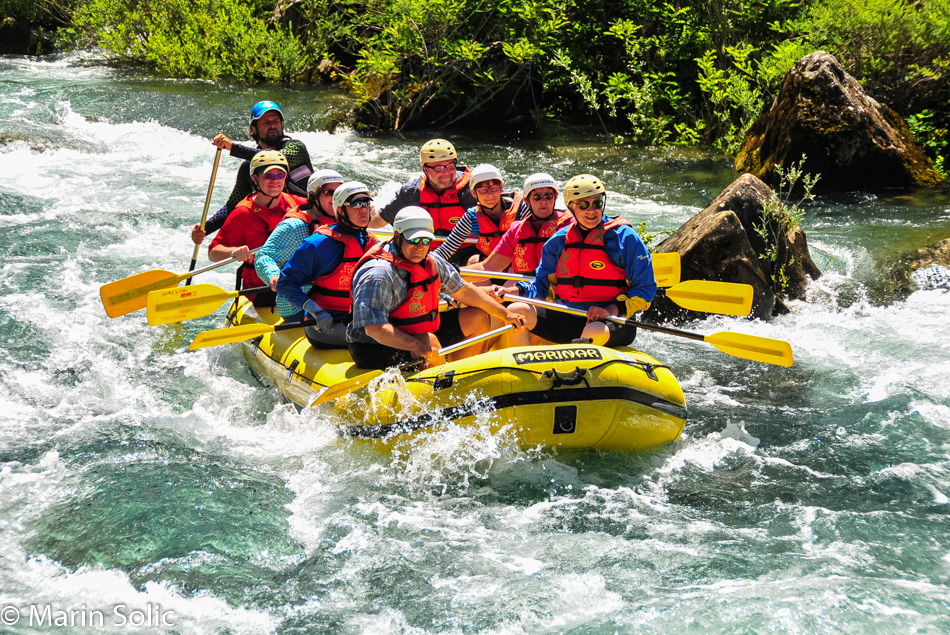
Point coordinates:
pixel 721 243
pixel 823 114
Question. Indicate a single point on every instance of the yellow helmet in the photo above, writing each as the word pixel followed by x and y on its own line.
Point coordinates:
pixel 582 186
pixel 437 150
pixel 268 159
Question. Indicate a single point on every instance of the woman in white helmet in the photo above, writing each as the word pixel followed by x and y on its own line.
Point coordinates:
pixel 254 218
pixel 487 221
pixel 521 245
pixel 290 233
pixel 324 265
pixel 597 264
pixel 396 301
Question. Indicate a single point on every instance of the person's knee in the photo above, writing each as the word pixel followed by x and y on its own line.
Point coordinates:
pixel 473 321
pixel 430 339
pixel 527 311
pixel 597 332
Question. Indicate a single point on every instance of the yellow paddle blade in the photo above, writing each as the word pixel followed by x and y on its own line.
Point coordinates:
pixel 726 298
pixel 229 335
pixel 345 387
pixel 130 294
pixel 167 306
pixel 758 349
pixel 666 268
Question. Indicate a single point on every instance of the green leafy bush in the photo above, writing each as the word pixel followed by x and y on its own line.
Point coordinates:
pixel 678 71
pixel 182 38
pixel 781 215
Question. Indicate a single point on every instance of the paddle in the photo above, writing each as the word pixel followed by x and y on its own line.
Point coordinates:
pixel 666 271
pixel 666 268
pixel 204 213
pixel 131 293
pixel 231 334
pixel 726 298
pixel 166 306
pixel 757 349
pixel 346 387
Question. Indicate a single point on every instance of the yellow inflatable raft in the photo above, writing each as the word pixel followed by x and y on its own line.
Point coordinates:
pixel 556 396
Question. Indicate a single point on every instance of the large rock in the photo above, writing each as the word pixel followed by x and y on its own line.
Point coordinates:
pixel 851 140
pixel 721 243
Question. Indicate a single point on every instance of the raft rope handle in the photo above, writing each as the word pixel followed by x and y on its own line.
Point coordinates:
pixel 645 366
pixel 567 380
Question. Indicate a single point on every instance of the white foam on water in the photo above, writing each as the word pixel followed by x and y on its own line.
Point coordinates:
pixel 26 491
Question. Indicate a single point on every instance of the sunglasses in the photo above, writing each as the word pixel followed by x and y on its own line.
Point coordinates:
pixel 275 175
pixel 543 197
pixel 583 205
pixel 326 192
pixel 439 169
pixel 363 202
pixel 425 241
pixel 488 186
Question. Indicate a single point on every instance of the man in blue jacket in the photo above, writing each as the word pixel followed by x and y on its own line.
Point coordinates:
pixel 595 264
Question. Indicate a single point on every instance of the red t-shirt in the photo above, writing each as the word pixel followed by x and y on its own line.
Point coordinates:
pixel 506 246
pixel 250 224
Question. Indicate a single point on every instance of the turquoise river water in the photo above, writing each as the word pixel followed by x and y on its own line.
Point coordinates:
pixel 144 487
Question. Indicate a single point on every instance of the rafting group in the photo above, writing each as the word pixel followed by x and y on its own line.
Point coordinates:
pixel 483 296
pixel 318 261
pixel 469 287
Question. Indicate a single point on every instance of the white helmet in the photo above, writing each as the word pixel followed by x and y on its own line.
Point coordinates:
pixel 414 222
pixel 321 177
pixel 484 172
pixel 346 190
pixel 537 181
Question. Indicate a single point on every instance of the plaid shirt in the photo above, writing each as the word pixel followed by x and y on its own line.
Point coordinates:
pixel 280 246
pixel 379 287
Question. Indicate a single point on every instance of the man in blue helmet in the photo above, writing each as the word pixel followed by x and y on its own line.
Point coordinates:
pixel 266 128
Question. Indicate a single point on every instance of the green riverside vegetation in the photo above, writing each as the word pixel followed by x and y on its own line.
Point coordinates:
pixel 662 72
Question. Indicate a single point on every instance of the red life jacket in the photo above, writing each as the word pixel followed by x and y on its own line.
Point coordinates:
pixel 312 224
pixel 445 208
pixel 332 291
pixel 419 312
pixel 529 244
pixel 584 272
pixel 251 228
pixel 489 234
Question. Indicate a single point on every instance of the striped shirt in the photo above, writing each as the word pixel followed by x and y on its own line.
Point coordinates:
pixel 468 227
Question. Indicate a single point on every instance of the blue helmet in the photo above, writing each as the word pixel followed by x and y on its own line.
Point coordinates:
pixel 262 107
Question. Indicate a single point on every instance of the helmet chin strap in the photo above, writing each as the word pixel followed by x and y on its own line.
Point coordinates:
pixel 344 219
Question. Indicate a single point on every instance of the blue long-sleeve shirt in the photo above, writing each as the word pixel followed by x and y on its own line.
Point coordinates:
pixel 317 256
pixel 625 249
